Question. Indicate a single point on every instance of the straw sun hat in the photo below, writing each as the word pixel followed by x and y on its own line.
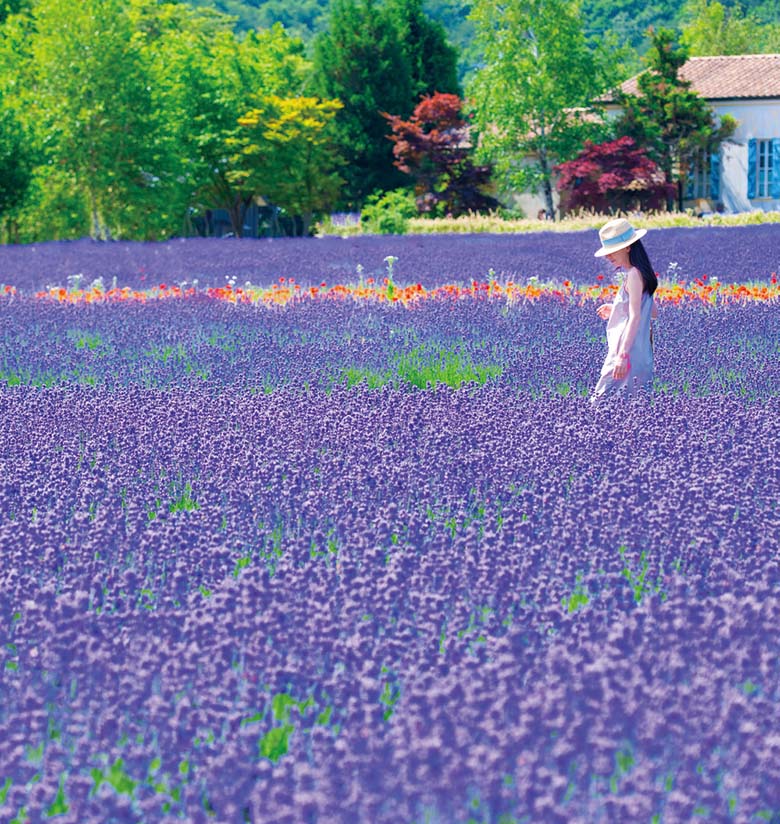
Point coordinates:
pixel 617 234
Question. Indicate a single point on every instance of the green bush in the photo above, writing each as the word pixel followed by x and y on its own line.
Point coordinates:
pixel 388 213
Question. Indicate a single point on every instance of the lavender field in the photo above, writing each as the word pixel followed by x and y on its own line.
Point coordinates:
pixel 367 553
pixel 730 253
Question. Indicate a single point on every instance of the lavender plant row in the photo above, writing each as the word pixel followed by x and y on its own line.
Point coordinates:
pixel 387 606
pixel 535 348
pixel 730 253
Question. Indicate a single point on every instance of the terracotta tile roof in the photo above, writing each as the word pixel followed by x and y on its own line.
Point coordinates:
pixel 729 77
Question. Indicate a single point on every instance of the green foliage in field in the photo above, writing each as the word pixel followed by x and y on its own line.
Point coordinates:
pixel 129 109
pixel 424 367
pixel 15 162
pixel 286 151
pixel 121 119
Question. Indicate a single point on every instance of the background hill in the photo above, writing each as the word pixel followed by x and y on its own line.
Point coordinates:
pixel 627 20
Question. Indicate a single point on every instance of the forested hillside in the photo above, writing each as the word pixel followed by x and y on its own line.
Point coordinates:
pixel 628 20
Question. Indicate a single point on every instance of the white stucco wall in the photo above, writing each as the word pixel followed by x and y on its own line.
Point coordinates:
pixel 530 204
pixel 759 120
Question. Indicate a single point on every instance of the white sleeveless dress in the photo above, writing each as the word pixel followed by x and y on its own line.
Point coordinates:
pixel 640 374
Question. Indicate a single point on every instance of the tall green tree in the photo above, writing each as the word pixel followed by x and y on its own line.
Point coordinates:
pixel 17 150
pixel 358 61
pixel 533 96
pixel 674 123
pixel 709 28
pixel 85 94
pixel 130 107
pixel 20 117
pixel 432 61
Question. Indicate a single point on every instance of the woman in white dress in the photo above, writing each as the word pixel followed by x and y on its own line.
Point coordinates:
pixel 628 367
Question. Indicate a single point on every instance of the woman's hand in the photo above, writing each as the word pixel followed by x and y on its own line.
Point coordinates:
pixel 604 311
pixel 621 367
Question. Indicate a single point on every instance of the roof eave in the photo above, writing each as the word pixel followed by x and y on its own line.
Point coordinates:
pixel 746 98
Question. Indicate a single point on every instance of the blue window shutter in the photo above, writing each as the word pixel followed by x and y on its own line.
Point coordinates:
pixel 751 169
pixel 774 181
pixel 715 176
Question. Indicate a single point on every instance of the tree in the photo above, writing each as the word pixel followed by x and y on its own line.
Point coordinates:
pixel 85 94
pixel 434 147
pixel 710 29
pixel 359 62
pixel 288 156
pixel 9 7
pixel 15 163
pixel 130 106
pixel 533 97
pixel 671 121
pixel 205 79
pixel 432 61
pixel 302 18
pixel 16 149
pixel 453 15
pixel 616 176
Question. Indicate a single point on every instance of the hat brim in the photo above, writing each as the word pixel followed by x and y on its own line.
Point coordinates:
pixel 608 250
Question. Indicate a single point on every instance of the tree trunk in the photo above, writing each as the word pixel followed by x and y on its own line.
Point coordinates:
pixel 99 229
pixel 670 180
pixel 274 227
pixel 549 205
pixel 548 199
pixel 95 229
pixel 236 214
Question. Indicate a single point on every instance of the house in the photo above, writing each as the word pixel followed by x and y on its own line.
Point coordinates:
pixel 745 174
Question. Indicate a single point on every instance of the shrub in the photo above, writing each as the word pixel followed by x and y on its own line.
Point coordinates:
pixel 388 213
pixel 435 147
pixel 614 176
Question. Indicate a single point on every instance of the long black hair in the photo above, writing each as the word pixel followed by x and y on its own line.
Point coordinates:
pixel 637 257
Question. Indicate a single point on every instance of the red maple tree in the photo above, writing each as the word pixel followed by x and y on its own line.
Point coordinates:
pixel 617 176
pixel 434 147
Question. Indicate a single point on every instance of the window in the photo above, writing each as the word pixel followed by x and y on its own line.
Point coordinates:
pixel 703 180
pixel 763 167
